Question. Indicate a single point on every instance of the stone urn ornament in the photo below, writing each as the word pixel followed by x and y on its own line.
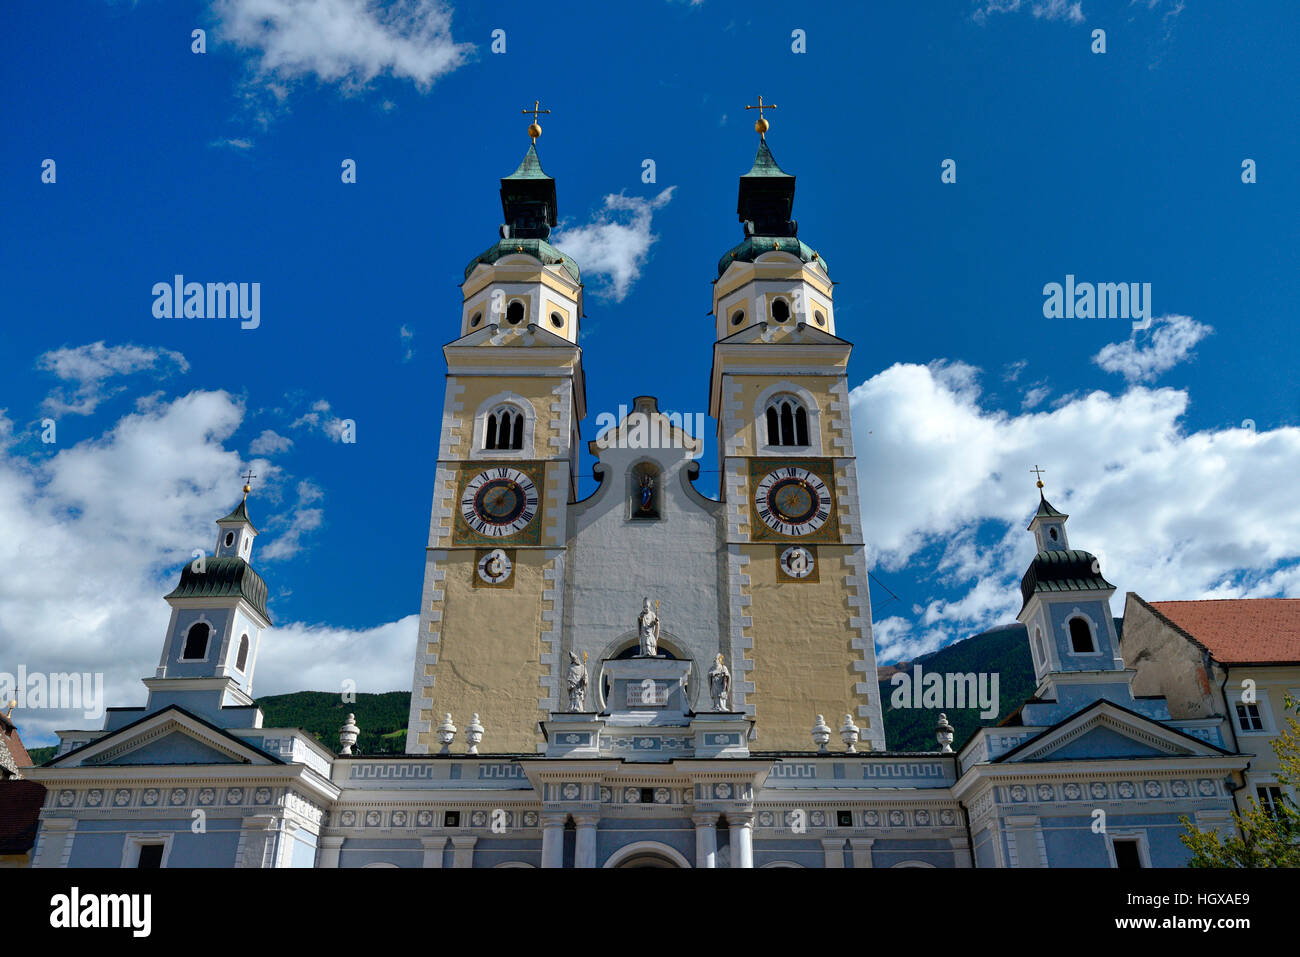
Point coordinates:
pixel 446 733
pixel 943 734
pixel 473 734
pixel 849 734
pixel 821 733
pixel 348 734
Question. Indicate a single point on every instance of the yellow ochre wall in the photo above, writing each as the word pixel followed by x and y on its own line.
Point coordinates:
pixel 489 654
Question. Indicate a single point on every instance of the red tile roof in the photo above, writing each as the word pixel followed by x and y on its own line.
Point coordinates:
pixel 1240 630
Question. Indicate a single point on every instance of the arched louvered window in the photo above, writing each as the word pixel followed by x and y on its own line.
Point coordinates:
pixel 196 641
pixel 241 661
pixel 787 421
pixel 504 428
pixel 1080 636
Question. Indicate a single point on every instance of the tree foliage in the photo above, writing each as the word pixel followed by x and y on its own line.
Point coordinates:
pixel 1265 837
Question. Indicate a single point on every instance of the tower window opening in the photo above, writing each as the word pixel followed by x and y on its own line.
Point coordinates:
pixel 787 422
pixel 504 429
pixel 780 310
pixel 1080 637
pixel 241 661
pixel 1055 535
pixel 230 539
pixel 196 642
pixel 475 319
pixel 738 317
pixel 557 320
pixel 820 317
pixel 515 313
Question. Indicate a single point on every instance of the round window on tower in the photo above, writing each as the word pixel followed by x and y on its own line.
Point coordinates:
pixel 230 539
pixel 515 312
pixel 738 317
pixel 780 310
pixel 475 319
pixel 557 320
pixel 820 317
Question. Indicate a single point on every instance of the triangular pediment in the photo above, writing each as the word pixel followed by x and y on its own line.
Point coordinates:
pixel 1105 730
pixel 784 333
pixel 531 336
pixel 169 737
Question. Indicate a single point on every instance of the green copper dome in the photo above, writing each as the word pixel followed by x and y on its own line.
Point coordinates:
pixel 755 246
pixel 539 249
pixel 765 204
pixel 528 204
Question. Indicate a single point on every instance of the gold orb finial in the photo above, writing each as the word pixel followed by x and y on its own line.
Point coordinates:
pixel 1039 472
pixel 248 487
pixel 762 125
pixel 535 128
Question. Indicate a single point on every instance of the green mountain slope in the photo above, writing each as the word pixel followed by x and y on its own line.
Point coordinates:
pixel 381 717
pixel 1003 651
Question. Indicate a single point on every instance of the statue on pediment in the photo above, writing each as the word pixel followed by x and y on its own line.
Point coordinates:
pixel 576 681
pixel 719 684
pixel 647 629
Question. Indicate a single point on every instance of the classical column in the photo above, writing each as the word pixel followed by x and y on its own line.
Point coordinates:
pixel 742 839
pixel 462 851
pixel 329 851
pixel 552 840
pixel 833 851
pixel 433 848
pixel 585 849
pixel 706 840
pixel 861 850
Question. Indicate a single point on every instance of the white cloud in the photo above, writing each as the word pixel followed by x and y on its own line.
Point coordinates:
pixel 1070 10
pixel 615 244
pixel 348 43
pixel 90 367
pixel 1171 341
pixel 320 419
pixel 298 657
pixel 270 442
pixel 96 534
pixel 1011 371
pixel 1034 396
pixel 1172 514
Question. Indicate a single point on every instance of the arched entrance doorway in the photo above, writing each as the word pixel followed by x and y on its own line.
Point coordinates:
pixel 647 854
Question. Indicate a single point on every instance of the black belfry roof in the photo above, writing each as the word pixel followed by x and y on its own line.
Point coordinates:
pixel 225 577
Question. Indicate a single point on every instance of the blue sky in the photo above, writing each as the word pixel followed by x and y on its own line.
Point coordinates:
pixel 1117 167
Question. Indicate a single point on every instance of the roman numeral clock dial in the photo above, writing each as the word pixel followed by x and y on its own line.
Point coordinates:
pixel 499 502
pixel 793 501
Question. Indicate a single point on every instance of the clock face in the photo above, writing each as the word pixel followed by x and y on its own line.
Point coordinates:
pixel 793 501
pixel 494 568
pixel 499 501
pixel 797 562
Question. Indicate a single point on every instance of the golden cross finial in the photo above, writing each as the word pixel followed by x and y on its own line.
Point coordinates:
pixel 762 126
pixel 534 130
pixel 1039 472
pixel 248 480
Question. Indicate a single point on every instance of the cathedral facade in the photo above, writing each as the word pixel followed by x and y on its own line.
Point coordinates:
pixel 646 676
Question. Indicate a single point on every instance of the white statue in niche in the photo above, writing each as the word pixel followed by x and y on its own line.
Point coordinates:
pixel 647 628
pixel 719 684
